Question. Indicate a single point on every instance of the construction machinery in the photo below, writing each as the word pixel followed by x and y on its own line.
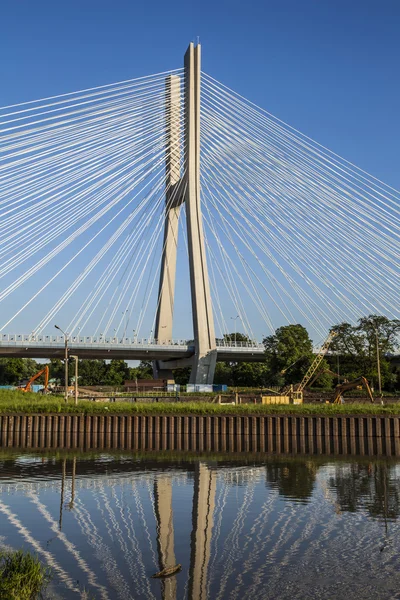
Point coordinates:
pixel 293 394
pixel 359 383
pixel 45 372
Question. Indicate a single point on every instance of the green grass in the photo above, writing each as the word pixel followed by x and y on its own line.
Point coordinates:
pixel 18 402
pixel 22 576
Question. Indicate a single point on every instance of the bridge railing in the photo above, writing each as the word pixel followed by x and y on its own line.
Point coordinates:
pixel 59 339
pixel 232 344
pixel 20 339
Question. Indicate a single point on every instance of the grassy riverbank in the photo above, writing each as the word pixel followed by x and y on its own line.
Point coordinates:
pixel 22 576
pixel 18 402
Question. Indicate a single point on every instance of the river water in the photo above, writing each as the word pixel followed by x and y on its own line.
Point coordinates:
pixel 273 527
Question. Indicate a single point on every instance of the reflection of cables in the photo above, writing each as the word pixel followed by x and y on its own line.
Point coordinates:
pixel 45 554
pixel 70 547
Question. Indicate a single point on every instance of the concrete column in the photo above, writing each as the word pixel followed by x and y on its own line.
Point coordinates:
pixel 202 518
pixel 173 201
pixel 203 323
pixel 165 533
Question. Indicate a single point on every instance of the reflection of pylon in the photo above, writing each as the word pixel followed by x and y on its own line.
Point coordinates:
pixel 165 533
pixel 202 518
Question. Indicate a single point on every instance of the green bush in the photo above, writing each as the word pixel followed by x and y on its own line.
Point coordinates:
pixel 22 576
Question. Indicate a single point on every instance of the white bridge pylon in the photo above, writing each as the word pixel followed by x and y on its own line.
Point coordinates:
pixel 185 188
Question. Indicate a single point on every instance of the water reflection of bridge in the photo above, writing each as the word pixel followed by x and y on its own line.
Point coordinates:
pixel 152 508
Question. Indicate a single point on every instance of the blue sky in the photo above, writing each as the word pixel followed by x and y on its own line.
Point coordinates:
pixel 330 69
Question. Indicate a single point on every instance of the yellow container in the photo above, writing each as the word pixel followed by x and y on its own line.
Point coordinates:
pixel 276 399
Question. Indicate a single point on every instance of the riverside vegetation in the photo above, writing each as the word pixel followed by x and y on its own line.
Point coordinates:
pixel 22 576
pixel 12 402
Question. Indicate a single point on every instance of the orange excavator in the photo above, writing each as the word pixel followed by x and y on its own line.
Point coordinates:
pixel 45 371
pixel 359 383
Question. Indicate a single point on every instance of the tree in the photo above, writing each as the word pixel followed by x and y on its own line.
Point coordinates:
pixel 143 371
pixel 117 371
pixel 181 376
pixel 13 370
pixel 292 479
pixel 356 346
pixel 289 353
pixel 92 372
pixel 249 374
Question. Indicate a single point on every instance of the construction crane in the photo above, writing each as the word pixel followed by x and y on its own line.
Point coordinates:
pixel 45 371
pixel 293 394
pixel 317 361
pixel 361 382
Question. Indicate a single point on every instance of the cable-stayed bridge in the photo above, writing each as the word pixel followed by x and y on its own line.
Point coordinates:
pixel 170 206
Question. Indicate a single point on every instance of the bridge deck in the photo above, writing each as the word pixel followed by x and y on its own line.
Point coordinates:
pixel 24 346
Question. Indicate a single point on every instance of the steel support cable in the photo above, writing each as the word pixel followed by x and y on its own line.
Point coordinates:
pixel 36 267
pixel 76 145
pixel 229 280
pixel 257 242
pixel 94 125
pixel 235 174
pixel 100 254
pixel 383 256
pixel 134 294
pixel 221 323
pixel 155 135
pixel 284 272
pixel 139 178
pixel 369 206
pixel 79 280
pixel 260 307
pixel 100 87
pixel 242 238
pixel 235 171
pixel 130 275
pixel 109 274
pixel 250 137
pixel 17 144
pixel 81 113
pixel 103 101
pixel 148 292
pixel 99 175
pixel 299 291
pixel 311 144
pixel 150 156
pixel 355 213
pixel 59 202
pixel 112 269
pixel 159 193
pixel 248 267
pixel 169 204
pixel 99 122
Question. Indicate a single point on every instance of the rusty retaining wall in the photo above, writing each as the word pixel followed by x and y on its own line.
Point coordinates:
pixel 358 435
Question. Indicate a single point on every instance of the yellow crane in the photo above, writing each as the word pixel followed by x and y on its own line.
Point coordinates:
pixel 293 394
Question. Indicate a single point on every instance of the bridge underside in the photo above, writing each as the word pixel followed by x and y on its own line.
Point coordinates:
pixel 167 354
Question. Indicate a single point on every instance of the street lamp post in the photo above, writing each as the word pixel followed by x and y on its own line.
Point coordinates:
pixel 235 319
pixel 378 362
pixel 76 378
pixel 66 362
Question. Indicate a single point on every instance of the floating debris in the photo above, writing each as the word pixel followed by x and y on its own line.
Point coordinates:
pixel 168 571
